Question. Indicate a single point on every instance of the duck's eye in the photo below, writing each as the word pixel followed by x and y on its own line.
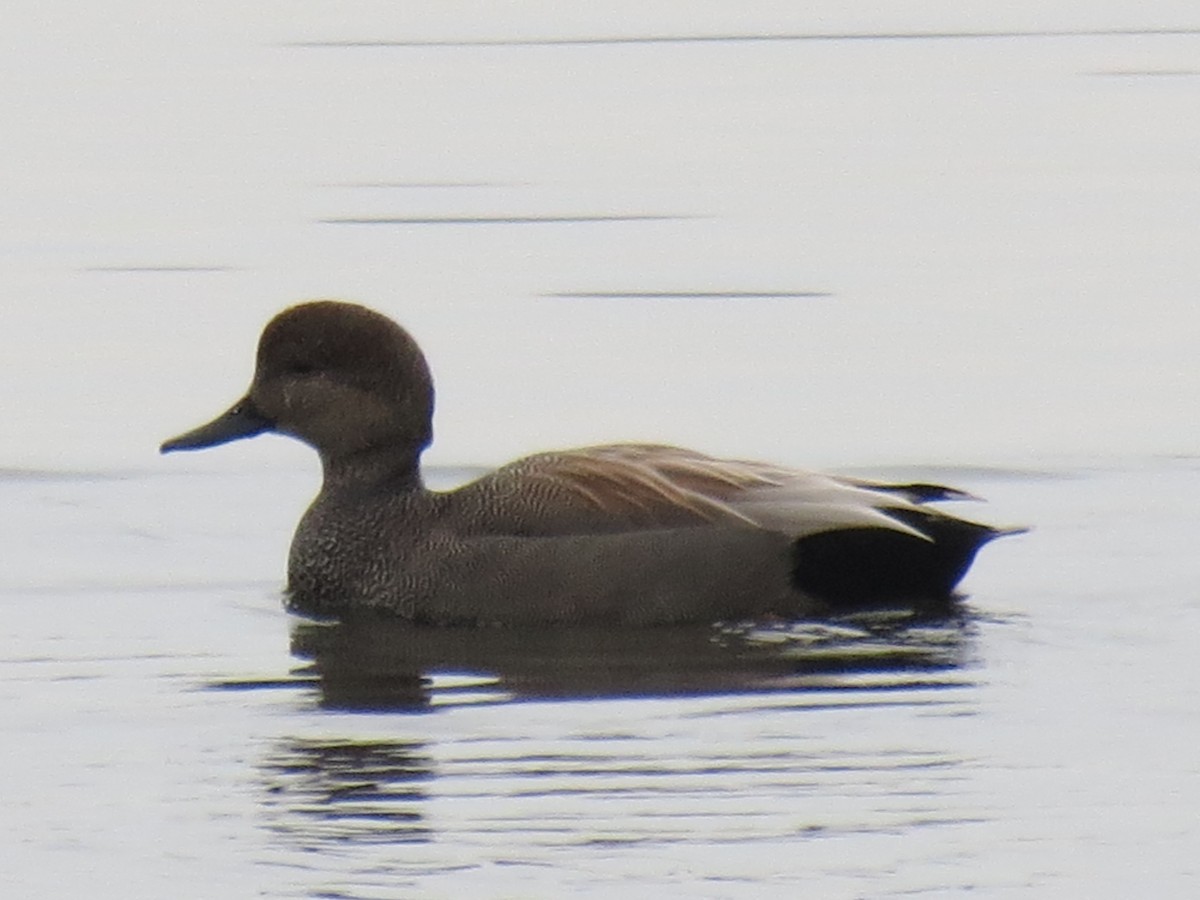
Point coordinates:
pixel 301 368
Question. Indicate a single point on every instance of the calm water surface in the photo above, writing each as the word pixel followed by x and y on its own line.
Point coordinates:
pixel 934 241
pixel 169 731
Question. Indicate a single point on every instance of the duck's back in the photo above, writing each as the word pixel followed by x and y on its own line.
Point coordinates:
pixel 623 487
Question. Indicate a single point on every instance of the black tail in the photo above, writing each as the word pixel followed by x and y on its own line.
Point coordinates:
pixel 863 567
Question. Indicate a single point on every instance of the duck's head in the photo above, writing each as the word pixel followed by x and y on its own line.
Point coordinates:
pixel 338 376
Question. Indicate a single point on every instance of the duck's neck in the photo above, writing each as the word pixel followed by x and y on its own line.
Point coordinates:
pixel 377 470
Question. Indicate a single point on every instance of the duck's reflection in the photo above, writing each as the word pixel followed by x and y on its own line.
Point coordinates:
pixel 327 791
pixel 354 793
pixel 381 664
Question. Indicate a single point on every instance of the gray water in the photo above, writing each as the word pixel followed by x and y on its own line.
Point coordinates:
pixel 944 242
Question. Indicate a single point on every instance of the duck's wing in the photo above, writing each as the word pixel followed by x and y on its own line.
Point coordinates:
pixel 650 485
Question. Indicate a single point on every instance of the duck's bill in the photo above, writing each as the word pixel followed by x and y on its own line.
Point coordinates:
pixel 242 420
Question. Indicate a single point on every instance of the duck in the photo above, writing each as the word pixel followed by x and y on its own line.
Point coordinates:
pixel 620 534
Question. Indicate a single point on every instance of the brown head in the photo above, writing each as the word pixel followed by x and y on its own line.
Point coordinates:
pixel 338 376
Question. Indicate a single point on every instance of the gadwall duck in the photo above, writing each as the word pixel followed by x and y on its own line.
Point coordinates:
pixel 625 533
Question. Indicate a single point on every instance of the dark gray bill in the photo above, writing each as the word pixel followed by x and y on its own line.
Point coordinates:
pixel 242 420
